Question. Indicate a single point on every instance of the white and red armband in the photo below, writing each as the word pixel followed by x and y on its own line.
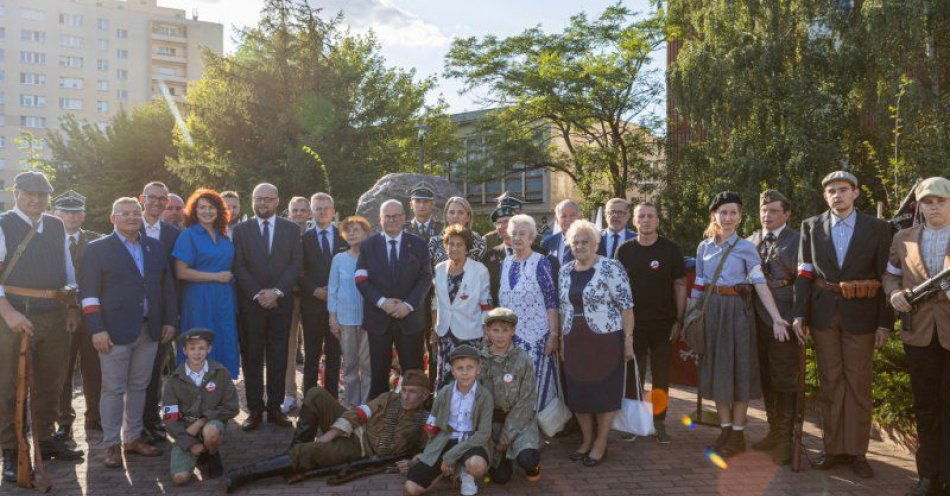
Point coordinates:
pixel 363 413
pixel 361 275
pixel 806 270
pixel 90 305
pixel 430 426
pixel 170 413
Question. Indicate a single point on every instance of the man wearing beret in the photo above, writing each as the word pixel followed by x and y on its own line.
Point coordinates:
pixel 841 259
pixel 70 207
pixel 917 254
pixel 37 278
pixel 389 424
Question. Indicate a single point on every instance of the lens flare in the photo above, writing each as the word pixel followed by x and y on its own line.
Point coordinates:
pixel 660 400
pixel 688 422
pixel 716 460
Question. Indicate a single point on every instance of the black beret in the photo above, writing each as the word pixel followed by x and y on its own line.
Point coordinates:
pixel 502 211
pixel 724 198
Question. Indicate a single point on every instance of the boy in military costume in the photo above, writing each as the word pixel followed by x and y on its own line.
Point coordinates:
pixel 508 373
pixel 199 399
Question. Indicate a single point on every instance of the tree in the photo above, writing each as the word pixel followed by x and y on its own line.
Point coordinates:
pixel 308 107
pixel 589 85
pixel 103 165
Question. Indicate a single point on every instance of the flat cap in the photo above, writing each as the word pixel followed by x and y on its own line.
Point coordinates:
pixel 933 186
pixel 196 333
pixel 840 175
pixel 724 198
pixel 506 199
pixel 70 201
pixel 503 211
pixel 772 195
pixel 501 314
pixel 415 377
pixel 421 191
pixel 464 351
pixel 32 182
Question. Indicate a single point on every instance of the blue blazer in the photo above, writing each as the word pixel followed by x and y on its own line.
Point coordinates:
pixel 167 236
pixel 628 234
pixel 113 291
pixel 411 283
pixel 550 247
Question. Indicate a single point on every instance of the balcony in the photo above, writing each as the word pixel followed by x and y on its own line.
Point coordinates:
pixel 171 78
pixel 178 58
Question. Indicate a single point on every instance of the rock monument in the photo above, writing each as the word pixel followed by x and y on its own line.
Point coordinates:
pixel 397 186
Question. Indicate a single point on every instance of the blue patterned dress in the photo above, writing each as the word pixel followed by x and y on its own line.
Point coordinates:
pixel 527 288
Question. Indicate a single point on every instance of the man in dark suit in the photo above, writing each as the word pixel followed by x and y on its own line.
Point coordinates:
pixel 130 304
pixel 154 198
pixel 554 247
pixel 495 256
pixel 421 201
pixel 70 207
pixel 617 232
pixel 842 257
pixel 778 360
pixel 394 275
pixel 267 265
pixel 320 244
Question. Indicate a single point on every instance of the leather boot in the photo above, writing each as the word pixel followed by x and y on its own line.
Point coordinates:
pixel 782 451
pixel 721 440
pixel 9 465
pixel 771 411
pixel 306 429
pixel 734 444
pixel 263 469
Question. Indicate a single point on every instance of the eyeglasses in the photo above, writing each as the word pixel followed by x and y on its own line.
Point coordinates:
pixel 616 212
pixel 126 214
pixel 154 198
pixel 394 217
pixel 265 199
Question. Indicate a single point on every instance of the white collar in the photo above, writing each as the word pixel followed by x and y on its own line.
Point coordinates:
pixel 74 235
pixel 28 220
pixel 328 229
pixel 203 371
pixel 421 224
pixel 777 232
pixel 156 225
pixel 470 391
pixel 397 238
pixel 270 220
pixel 609 231
pixel 848 220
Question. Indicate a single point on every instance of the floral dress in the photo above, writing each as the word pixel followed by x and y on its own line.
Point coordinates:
pixel 437 252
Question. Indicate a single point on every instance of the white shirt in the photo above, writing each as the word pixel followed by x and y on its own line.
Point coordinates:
pixel 777 232
pixel 460 413
pixel 199 376
pixel 70 270
pixel 329 231
pixel 153 231
pixel 270 226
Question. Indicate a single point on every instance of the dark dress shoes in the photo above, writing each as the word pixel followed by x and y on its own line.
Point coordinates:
pixel 925 487
pixel 55 449
pixel 153 435
pixel 861 467
pixel 210 465
pixel 828 462
pixel 64 433
pixel 140 447
pixel 9 465
pixel 278 418
pixel 253 421
pixel 113 457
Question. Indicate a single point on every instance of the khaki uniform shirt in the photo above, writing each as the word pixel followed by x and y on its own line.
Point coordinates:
pixel 184 403
pixel 511 379
pixel 384 426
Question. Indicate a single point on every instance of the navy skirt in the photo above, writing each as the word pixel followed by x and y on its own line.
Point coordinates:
pixel 594 369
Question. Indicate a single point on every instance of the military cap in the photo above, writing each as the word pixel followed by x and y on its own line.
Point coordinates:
pixel 724 198
pixel 415 377
pixel 840 175
pixel 421 191
pixel 196 333
pixel 772 195
pixel 70 201
pixel 32 182
pixel 506 199
pixel 934 186
pixel 502 211
pixel 464 351
pixel 503 314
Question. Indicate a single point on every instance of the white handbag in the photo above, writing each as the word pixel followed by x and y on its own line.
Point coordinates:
pixel 635 416
pixel 555 415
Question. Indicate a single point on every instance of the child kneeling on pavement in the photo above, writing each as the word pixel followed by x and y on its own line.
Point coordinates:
pixel 508 373
pixel 198 400
pixel 460 428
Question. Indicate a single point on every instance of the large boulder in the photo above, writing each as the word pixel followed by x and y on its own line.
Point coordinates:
pixel 397 186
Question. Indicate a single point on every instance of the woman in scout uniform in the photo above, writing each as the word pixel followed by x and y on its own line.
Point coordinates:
pixel 508 373
pixel 199 399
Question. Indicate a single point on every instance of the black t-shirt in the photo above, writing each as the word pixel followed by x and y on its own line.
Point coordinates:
pixel 652 270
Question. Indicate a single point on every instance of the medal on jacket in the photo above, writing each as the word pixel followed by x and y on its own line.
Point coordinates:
pixel 508 378
pixel 463 296
pixel 655 264
pixel 210 387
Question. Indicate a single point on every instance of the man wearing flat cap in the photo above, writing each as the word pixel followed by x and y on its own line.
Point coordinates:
pixel 389 424
pixel 838 296
pixel 777 244
pixel 421 201
pixel 70 207
pixel 917 254
pixel 37 297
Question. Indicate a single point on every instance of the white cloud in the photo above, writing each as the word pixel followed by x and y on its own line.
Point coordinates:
pixel 393 25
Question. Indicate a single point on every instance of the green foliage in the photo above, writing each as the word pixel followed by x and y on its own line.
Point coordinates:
pixel 309 107
pixel 577 101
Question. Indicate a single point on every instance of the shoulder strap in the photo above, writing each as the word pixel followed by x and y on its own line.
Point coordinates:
pixel 18 253
pixel 722 263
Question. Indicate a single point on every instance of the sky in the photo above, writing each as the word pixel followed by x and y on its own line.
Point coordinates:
pixel 417 33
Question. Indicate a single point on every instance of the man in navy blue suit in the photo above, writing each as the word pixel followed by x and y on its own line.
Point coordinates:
pixel 553 246
pixel 130 305
pixel 618 215
pixel 393 274
pixel 154 198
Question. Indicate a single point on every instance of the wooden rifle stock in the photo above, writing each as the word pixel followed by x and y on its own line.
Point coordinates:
pixel 23 468
pixel 40 479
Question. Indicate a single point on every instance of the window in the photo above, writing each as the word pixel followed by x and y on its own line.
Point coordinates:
pixel 122 74
pixel 32 78
pixel 33 58
pixel 102 125
pixel 103 44
pixel 33 14
pixel 32 36
pixel 122 94
pixel 102 24
pixel 70 103
pixel 166 51
pixel 3 120
pixel 74 20
pixel 32 101
pixel 71 83
pixel 3 164
pixel 121 53
pixel 3 98
pixel 3 76
pixel 3 32
pixel 102 107
pixel 102 65
pixel 3 142
pixel 70 61
pixel 68 41
pixel 3 55
pixel 171 71
pixel 33 121
pixel 102 85
pixel 121 33
pixel 168 30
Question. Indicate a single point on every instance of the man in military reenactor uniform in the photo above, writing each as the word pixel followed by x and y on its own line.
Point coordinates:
pixel 496 253
pixel 421 200
pixel 70 207
pixel 493 238
pixel 841 259
pixel 390 424
pixel 778 360
pixel 34 299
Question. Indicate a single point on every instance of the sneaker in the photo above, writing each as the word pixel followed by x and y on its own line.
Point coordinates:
pixel 661 436
pixel 626 436
pixel 469 487
pixel 289 404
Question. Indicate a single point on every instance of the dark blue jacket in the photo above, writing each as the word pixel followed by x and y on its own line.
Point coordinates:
pixel 411 283
pixel 627 234
pixel 113 291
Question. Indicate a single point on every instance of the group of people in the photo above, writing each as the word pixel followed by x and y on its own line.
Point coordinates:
pixel 514 327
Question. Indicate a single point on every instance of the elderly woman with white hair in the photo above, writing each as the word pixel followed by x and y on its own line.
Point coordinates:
pixel 457 211
pixel 527 287
pixel 597 325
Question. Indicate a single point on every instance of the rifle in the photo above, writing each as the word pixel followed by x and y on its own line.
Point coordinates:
pixel 933 286
pixel 343 471
pixel 906 215
pixel 26 477
pixel 798 420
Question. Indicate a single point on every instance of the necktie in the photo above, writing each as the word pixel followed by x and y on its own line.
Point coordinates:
pixel 393 257
pixel 266 235
pixel 73 249
pixel 765 249
pixel 509 251
pixel 325 244
pixel 613 246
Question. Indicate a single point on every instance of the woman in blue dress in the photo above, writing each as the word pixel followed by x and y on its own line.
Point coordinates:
pixel 203 255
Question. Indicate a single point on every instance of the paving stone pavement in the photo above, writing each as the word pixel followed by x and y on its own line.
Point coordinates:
pixel 643 467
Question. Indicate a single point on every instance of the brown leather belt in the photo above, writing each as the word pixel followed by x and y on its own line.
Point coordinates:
pixel 827 286
pixel 779 283
pixel 46 294
pixel 737 290
pixel 863 289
